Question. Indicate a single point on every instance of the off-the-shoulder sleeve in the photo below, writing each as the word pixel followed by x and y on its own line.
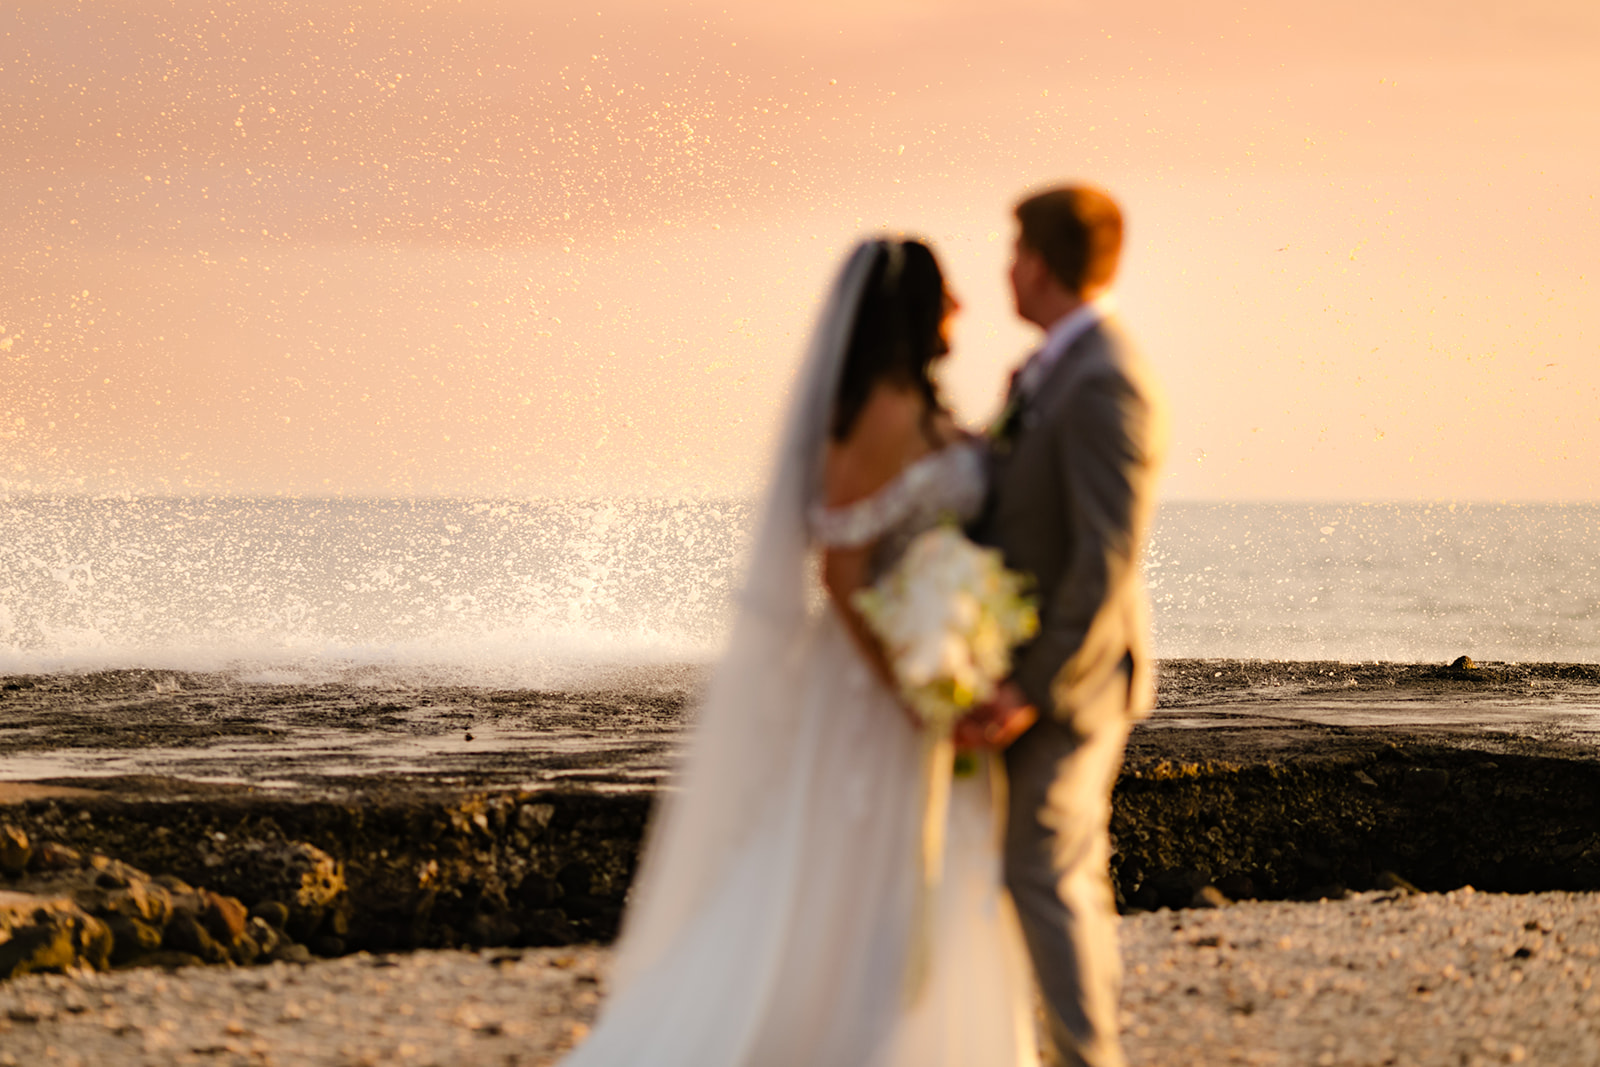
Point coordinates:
pixel 868 519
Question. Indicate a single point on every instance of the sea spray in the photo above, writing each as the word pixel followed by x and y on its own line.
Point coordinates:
pixel 541 592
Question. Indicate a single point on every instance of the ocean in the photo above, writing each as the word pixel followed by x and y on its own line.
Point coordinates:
pixel 551 594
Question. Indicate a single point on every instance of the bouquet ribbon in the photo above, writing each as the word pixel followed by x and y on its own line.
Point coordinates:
pixel 938 760
pixel 938 756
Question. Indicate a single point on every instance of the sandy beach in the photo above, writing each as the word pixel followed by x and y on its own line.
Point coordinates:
pixel 1379 980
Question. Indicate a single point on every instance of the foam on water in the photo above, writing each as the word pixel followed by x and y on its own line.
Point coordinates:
pixel 532 594
pixel 566 594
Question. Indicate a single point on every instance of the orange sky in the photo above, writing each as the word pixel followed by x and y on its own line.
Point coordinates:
pixel 481 248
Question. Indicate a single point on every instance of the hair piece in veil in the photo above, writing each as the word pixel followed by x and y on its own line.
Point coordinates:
pixel 739 743
pixel 895 267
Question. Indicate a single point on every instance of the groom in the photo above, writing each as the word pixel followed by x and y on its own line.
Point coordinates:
pixel 1076 452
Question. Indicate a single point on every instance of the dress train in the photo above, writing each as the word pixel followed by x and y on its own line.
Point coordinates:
pixel 798 957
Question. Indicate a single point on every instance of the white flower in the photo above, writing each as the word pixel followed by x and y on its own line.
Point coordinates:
pixel 948 613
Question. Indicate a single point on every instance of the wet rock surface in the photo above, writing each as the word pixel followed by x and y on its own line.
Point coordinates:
pixel 155 732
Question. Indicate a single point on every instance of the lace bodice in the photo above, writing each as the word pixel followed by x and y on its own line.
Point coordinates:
pixel 947 484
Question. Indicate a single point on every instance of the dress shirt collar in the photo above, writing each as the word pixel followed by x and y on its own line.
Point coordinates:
pixel 1067 329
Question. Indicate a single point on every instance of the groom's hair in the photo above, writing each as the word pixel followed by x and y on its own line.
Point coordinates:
pixel 1077 229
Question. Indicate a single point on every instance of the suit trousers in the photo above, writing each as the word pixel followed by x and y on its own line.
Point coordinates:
pixel 1057 867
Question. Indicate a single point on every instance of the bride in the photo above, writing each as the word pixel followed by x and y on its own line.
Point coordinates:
pixel 772 920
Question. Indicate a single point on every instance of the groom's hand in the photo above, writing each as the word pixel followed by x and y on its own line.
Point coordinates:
pixel 999 722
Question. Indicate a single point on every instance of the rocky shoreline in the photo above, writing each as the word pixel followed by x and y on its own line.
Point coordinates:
pixel 374 874
pixel 64 910
pixel 1252 781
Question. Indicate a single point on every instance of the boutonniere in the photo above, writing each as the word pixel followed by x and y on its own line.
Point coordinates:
pixel 1006 425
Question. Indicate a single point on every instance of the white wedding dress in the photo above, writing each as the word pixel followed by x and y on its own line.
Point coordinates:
pixel 771 924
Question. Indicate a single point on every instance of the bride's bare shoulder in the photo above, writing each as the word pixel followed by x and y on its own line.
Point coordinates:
pixel 885 437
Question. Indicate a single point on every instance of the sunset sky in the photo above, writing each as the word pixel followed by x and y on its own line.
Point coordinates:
pixel 498 248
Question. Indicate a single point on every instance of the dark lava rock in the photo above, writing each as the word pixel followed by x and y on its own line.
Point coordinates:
pixel 93 942
pixel 547 926
pixel 1316 863
pixel 538 892
pixel 298 874
pixel 289 952
pixel 575 879
pixel 533 818
pixel 397 872
pixel 49 934
pixel 52 856
pixel 1145 898
pixel 224 918
pixel 385 937
pixel 266 936
pixel 1332 891
pixel 1237 886
pixel 303 923
pixel 245 950
pixel 328 945
pixel 14 850
pixel 1177 889
pixel 272 912
pixel 108 879
pixel 491 931
pixel 134 914
pixel 185 933
pixel 131 939
pixel 1389 881
pixel 337 921
pixel 1424 783
pixel 143 900
pixel 44 945
pixel 1463 663
pixel 173 884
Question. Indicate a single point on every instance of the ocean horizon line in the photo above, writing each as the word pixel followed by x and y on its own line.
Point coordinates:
pixel 126 496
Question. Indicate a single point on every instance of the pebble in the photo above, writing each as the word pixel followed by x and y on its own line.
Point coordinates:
pixel 1408 980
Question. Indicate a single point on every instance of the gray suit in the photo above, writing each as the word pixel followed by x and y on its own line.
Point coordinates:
pixel 1072 493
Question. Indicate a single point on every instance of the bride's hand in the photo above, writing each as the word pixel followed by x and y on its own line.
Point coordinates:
pixel 999 722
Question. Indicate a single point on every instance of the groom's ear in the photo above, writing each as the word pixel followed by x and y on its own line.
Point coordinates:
pixel 1029 271
pixel 1031 260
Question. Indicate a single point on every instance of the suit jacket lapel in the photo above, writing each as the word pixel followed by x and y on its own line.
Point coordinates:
pixel 1064 367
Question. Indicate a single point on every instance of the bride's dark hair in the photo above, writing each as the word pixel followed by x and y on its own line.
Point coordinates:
pixel 897 333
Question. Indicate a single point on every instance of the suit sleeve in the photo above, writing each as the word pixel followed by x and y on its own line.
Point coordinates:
pixel 1101 441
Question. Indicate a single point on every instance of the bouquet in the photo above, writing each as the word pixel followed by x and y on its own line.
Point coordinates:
pixel 948 613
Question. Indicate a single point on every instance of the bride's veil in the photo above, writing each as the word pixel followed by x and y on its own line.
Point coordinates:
pixel 740 742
